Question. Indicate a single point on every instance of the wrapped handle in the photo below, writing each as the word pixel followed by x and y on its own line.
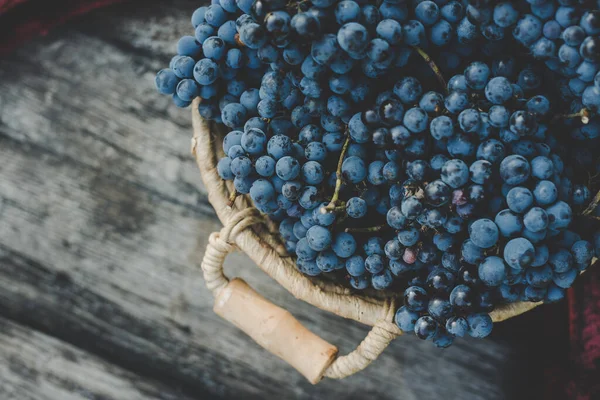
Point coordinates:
pixel 274 328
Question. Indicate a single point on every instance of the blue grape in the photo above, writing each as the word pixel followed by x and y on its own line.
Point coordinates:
pixel 455 173
pixel 481 171
pixel 189 46
pixel 480 325
pixel 565 279
pixel 439 309
pixel 166 81
pixel 463 298
pixel 318 237
pixel 415 298
pixel 514 169
pixel 536 219
pixel 559 215
pixel 519 253
pixel 457 326
pixel 355 265
pixel 492 271
pixel 416 120
pixel 406 319
pixel 456 101
pixel 539 277
pixel 472 253
pixel 262 191
pixel 484 233
pixel 498 90
pixel 312 172
pixel 374 263
pixel 528 29
pixel 354 169
pixel 426 328
pixel 414 33
pixel 327 261
pixel 382 280
pixel 390 30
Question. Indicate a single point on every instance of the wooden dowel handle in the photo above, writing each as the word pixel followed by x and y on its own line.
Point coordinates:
pixel 275 329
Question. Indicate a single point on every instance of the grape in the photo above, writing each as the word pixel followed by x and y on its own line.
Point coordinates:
pixel 354 169
pixel 583 252
pixel 480 325
pixel 559 215
pixel 406 319
pixel 536 219
pixel 415 298
pixel 457 326
pixel 492 271
pixel 498 90
pixel 413 32
pixel 456 102
pixel 439 309
pixel 426 328
pixel 441 127
pixel 528 29
pixel 514 169
pixel 565 279
pixel 441 281
pixel 305 25
pixel 355 266
pixel 539 277
pixel 477 75
pixel 327 261
pixel 455 173
pixel 481 171
pixel 463 298
pixel 166 81
pixel 519 253
pixel 390 30
pixel 318 237
pixel 484 233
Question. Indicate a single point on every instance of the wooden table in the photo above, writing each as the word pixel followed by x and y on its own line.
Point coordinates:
pixel 103 223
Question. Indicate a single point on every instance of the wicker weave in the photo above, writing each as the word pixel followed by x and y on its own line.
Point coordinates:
pixel 245 229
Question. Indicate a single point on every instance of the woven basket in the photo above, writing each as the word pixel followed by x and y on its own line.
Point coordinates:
pixel 272 327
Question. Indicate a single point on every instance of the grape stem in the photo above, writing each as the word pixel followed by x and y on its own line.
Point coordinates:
pixel 584 114
pixel 232 198
pixel 338 181
pixel 434 67
pixel 592 206
pixel 366 230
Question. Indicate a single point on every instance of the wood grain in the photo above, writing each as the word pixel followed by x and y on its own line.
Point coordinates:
pixel 103 222
pixel 35 366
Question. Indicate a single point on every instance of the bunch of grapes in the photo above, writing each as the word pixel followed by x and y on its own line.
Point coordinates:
pixel 461 196
pixel 565 36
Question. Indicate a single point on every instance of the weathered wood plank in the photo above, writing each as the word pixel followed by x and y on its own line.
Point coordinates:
pixel 34 366
pixel 103 221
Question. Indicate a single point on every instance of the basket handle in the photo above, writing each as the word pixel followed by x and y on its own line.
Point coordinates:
pixel 276 329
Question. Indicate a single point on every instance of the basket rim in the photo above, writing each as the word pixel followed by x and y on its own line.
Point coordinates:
pixel 262 245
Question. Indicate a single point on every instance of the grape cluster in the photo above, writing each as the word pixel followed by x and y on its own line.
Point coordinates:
pixel 462 197
pixel 564 35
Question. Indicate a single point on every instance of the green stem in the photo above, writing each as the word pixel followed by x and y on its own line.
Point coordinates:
pixel 592 206
pixel 366 230
pixel 337 209
pixel 584 114
pixel 338 182
pixel 433 66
